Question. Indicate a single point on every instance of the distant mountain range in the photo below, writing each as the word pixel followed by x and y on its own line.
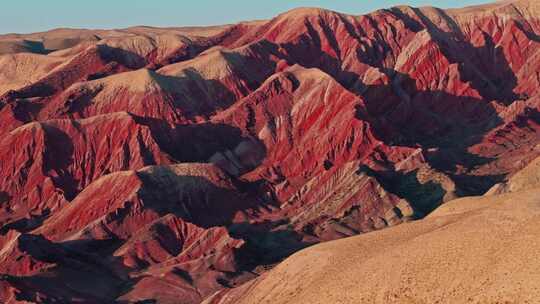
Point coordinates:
pixel 180 165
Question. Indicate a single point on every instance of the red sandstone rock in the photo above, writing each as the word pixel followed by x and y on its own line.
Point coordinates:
pixel 174 163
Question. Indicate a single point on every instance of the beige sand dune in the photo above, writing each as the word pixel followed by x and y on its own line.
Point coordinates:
pixel 470 250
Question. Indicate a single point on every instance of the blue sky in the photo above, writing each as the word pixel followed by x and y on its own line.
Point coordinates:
pixel 23 16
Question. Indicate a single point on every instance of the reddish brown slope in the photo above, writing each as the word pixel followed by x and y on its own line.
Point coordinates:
pixel 46 163
pixel 320 125
pixel 282 114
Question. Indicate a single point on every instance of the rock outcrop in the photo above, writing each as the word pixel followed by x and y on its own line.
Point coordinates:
pixel 149 165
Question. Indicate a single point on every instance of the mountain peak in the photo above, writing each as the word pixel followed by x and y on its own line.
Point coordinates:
pixel 186 162
pixel 528 7
pixel 306 11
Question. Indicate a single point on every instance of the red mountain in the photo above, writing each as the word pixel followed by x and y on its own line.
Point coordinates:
pixel 150 165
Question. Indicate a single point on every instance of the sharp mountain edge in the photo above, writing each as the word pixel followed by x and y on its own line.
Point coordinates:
pixel 181 165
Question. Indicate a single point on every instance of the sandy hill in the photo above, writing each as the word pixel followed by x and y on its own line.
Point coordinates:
pixel 471 250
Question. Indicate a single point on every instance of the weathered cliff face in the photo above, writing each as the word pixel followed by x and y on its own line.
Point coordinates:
pixel 185 161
